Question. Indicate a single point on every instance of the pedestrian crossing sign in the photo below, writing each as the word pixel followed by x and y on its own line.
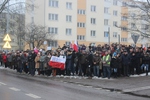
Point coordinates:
pixel 7 38
pixel 7 45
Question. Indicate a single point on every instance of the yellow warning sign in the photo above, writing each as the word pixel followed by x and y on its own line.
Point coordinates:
pixel 7 38
pixel 7 45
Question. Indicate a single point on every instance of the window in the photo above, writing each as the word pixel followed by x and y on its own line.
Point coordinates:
pixel 124 4
pixel 53 3
pixel 106 34
pixel 53 30
pixel 81 12
pixel 93 20
pixel 115 2
pixel 68 18
pixel 67 43
pixel 69 5
pixel 115 34
pixel 32 20
pixel 133 25
pixel 115 13
pixel 81 25
pixel 114 23
pixel 123 39
pixel 32 7
pixel 80 37
pixel 93 33
pixel 105 21
pixel 53 16
pixel 68 31
pixel 93 8
pixel 52 43
pixel 144 27
pixel 124 18
pixel 106 10
pixel 123 28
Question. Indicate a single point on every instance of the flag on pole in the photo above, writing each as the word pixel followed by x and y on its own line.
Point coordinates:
pixel 75 46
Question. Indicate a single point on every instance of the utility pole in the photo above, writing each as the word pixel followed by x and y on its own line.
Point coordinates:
pixel 109 35
pixel 8 19
pixel 119 38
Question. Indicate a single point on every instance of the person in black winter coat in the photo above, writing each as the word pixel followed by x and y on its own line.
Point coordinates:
pixel 114 65
pixel 126 62
pixel 133 63
pixel 137 64
pixel 145 61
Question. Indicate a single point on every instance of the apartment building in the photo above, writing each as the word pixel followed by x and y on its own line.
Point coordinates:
pixel 88 21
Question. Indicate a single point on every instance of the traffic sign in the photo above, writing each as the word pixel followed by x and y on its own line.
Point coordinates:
pixel 135 37
pixel 7 45
pixel 7 38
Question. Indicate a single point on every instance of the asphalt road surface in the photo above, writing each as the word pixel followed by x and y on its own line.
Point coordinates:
pixel 15 86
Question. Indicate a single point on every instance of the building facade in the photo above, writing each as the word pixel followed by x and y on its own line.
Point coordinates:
pixel 88 21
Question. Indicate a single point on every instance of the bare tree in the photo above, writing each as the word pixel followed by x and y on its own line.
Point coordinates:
pixel 3 5
pixel 35 35
pixel 138 17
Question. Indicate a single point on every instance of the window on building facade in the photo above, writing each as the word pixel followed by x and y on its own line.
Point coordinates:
pixel 106 34
pixel 106 10
pixel 105 21
pixel 93 8
pixel 53 16
pixel 80 37
pixel 53 3
pixel 123 39
pixel 93 20
pixel 114 23
pixel 69 5
pixel 124 18
pixel 115 13
pixel 79 24
pixel 124 4
pixel 93 33
pixel 68 18
pixel 115 34
pixel 68 31
pixel 81 12
pixel 115 2
pixel 67 43
pixel 52 43
pixel 53 30
pixel 144 27
pixel 133 25
pixel 123 28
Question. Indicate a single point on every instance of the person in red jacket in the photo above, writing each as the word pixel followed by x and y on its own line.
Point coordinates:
pixel 4 56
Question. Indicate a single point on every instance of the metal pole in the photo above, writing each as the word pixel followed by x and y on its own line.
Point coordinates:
pixel 119 38
pixel 8 19
pixel 109 35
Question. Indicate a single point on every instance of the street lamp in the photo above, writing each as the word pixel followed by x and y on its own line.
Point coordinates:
pixel 109 35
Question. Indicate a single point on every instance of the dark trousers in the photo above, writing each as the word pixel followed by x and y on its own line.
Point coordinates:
pixel 106 71
pixel 137 69
pixel 84 67
pixel 126 70
pixel 31 68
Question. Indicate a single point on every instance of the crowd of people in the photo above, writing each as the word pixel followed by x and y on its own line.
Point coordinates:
pixel 104 61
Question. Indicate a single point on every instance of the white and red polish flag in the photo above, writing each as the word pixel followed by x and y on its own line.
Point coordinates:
pixel 58 62
pixel 75 46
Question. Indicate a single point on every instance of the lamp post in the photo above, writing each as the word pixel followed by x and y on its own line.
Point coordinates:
pixel 109 35
pixel 8 18
pixel 119 38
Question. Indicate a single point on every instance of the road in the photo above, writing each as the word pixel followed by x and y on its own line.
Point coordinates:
pixel 15 86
